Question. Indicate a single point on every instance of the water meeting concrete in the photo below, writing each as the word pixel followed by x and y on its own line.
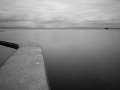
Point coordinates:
pixel 25 69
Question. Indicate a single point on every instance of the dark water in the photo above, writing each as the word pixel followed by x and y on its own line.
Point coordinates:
pixel 5 53
pixel 79 70
pixel 77 59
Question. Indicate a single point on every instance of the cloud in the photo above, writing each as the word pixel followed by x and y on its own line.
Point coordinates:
pixel 59 12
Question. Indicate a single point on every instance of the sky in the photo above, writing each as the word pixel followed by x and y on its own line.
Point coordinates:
pixel 58 13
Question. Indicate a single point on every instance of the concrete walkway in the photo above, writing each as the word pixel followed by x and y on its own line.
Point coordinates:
pixel 25 69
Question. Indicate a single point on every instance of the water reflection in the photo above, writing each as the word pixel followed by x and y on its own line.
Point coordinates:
pixel 79 59
pixel 5 54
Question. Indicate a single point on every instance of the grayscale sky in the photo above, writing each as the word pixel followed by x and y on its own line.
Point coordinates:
pixel 49 13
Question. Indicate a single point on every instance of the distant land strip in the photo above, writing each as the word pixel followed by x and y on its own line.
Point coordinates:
pixel 76 28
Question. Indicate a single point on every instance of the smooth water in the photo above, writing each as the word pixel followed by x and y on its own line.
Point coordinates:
pixel 5 54
pixel 77 59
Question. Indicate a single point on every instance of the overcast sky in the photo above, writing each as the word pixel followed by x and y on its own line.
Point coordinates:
pixel 77 11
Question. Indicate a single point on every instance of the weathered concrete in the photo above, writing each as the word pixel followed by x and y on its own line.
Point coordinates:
pixel 25 69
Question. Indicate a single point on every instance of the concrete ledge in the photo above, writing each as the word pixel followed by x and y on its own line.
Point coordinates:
pixel 25 69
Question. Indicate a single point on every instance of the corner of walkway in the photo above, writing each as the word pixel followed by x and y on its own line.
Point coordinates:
pixel 25 69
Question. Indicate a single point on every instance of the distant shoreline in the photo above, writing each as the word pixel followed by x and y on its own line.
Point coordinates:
pixel 76 28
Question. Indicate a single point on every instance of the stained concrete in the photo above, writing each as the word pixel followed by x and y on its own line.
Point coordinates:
pixel 25 69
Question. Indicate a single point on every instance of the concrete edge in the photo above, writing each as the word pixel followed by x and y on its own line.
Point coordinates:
pixel 23 45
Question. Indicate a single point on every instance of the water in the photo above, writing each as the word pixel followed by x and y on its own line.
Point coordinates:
pixel 5 54
pixel 77 59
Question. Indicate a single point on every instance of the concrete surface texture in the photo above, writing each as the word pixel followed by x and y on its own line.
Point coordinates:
pixel 24 70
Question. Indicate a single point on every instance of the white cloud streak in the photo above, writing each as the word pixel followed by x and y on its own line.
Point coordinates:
pixel 75 11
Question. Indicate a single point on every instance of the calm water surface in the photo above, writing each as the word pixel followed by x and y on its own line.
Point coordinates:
pixel 77 59
pixel 5 53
